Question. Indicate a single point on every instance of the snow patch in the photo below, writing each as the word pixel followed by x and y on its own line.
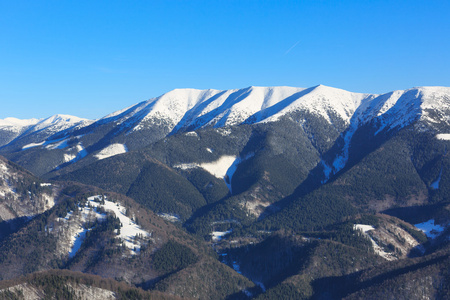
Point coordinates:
pixel 363 228
pixel 219 235
pixel 130 233
pixel 18 122
pixel 216 168
pixel 111 150
pixel 377 249
pixel 170 217
pixel 32 145
pixel 223 168
pixel 77 240
pixel 69 157
pixel 443 136
pixel 191 133
pixel 219 167
pixel 435 184
pixel 129 230
pixel 430 229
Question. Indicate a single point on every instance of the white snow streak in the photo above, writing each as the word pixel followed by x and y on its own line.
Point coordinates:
pixel 378 250
pixel 111 150
pixel 443 136
pixel 89 213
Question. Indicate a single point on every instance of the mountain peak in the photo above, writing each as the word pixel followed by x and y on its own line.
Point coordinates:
pixel 18 122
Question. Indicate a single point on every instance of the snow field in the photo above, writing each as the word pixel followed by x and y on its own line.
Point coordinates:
pixel 377 249
pixel 111 150
pixel 89 213
pixel 430 228
pixel 443 136
pixel 219 235
pixel 216 168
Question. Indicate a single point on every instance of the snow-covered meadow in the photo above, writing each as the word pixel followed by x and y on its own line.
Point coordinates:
pixel 90 212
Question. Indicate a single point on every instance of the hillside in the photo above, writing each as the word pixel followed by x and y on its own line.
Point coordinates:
pixel 262 192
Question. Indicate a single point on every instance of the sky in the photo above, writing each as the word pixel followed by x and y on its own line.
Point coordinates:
pixel 91 58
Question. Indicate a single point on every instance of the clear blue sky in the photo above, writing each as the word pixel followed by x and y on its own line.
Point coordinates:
pixel 90 58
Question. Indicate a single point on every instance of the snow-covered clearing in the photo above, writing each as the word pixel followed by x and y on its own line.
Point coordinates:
pixel 363 228
pixel 430 229
pixel 219 235
pixel 129 230
pixel 377 249
pixel 169 217
pixel 217 168
pixel 111 150
pixel 191 133
pixel 69 157
pixel 223 168
pixel 32 145
pixel 443 136
pixel 57 144
pixel 435 184
pixel 81 153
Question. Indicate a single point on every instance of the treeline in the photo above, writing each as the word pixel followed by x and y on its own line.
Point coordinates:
pixel 63 284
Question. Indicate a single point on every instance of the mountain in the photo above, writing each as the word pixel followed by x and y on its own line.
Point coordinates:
pixel 23 134
pixel 302 191
pixel 86 230
pixel 186 110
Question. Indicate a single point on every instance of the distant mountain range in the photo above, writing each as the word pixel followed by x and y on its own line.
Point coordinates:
pixel 307 192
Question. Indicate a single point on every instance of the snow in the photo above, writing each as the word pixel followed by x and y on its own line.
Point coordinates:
pixel 430 228
pixel 320 101
pixel 219 167
pixel 69 157
pixel 59 121
pixel 129 229
pixel 49 144
pixel 89 213
pixel 191 133
pixel 31 145
pixel 62 144
pixel 435 184
pixel 363 228
pixel 111 150
pixel 223 168
pixel 170 217
pixel 443 136
pixel 72 158
pixel 377 249
pixel 14 122
pixel 77 241
pixel 216 168
pixel 219 235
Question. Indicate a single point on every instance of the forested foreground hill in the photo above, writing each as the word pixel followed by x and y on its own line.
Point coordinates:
pixel 110 235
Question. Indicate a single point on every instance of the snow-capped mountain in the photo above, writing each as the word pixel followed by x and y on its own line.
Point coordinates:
pixel 10 128
pixel 184 110
pixel 316 183
pixel 19 133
